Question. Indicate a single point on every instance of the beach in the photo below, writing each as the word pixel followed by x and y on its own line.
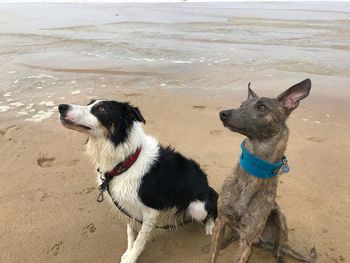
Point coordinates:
pixel 180 63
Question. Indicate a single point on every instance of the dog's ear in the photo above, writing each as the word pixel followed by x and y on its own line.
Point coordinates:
pixel 137 114
pixel 291 97
pixel 91 102
pixel 251 93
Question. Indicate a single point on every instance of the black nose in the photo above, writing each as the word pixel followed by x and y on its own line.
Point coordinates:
pixel 62 108
pixel 224 114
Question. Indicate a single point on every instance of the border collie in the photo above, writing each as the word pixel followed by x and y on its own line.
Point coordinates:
pixel 145 180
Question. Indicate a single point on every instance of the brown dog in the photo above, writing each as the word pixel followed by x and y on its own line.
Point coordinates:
pixel 247 202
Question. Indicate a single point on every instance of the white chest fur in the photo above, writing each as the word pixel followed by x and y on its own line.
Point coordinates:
pixel 124 187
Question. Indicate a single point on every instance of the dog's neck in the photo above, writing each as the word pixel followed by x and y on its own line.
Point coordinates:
pixel 105 155
pixel 271 149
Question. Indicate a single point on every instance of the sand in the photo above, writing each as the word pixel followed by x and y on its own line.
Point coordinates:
pixel 48 208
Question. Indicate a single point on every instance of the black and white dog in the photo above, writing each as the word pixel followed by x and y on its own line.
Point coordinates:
pixel 145 180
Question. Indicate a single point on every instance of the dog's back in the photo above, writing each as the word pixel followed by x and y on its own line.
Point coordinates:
pixel 176 181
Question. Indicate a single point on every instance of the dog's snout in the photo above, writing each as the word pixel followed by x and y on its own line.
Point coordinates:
pixel 224 114
pixel 62 108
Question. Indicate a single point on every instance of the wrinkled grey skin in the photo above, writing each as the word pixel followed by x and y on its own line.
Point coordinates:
pixel 247 204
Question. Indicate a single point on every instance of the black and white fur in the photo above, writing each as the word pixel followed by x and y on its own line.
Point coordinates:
pixel 161 180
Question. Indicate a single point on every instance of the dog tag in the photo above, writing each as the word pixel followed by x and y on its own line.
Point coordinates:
pixel 285 168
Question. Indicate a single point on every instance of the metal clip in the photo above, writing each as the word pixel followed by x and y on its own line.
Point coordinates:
pixel 284 168
pixel 100 197
pixel 101 188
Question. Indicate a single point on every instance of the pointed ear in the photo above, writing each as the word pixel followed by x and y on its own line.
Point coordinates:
pixel 291 97
pixel 138 114
pixel 91 101
pixel 251 93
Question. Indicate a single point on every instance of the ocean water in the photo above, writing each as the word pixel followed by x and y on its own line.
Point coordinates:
pixel 49 52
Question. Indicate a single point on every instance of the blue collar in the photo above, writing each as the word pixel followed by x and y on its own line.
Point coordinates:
pixel 260 168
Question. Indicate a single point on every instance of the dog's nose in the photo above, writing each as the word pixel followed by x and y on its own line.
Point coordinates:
pixel 224 114
pixel 62 108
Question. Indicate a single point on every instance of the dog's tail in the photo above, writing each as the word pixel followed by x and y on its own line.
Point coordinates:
pixel 288 250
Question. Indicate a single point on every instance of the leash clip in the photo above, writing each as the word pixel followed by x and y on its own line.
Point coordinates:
pixel 100 197
pixel 102 188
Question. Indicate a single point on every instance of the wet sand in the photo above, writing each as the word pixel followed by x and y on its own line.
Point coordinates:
pixel 181 66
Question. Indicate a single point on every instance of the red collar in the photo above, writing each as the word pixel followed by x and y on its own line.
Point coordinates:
pixel 125 165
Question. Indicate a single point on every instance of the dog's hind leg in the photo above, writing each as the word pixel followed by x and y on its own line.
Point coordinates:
pixel 232 236
pixel 251 226
pixel 149 222
pixel 247 239
pixel 275 235
pixel 209 226
pixel 212 210
pixel 282 237
pixel 219 230
pixel 280 222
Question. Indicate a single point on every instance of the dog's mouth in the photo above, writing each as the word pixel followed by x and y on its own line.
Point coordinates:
pixel 71 125
pixel 236 129
pixel 233 128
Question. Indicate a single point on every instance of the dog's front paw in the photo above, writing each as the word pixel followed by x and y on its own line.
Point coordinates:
pixel 128 257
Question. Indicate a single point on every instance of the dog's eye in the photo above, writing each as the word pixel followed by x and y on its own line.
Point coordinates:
pixel 261 107
pixel 101 109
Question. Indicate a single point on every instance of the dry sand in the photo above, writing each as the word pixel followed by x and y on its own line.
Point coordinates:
pixel 48 202
pixel 48 208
